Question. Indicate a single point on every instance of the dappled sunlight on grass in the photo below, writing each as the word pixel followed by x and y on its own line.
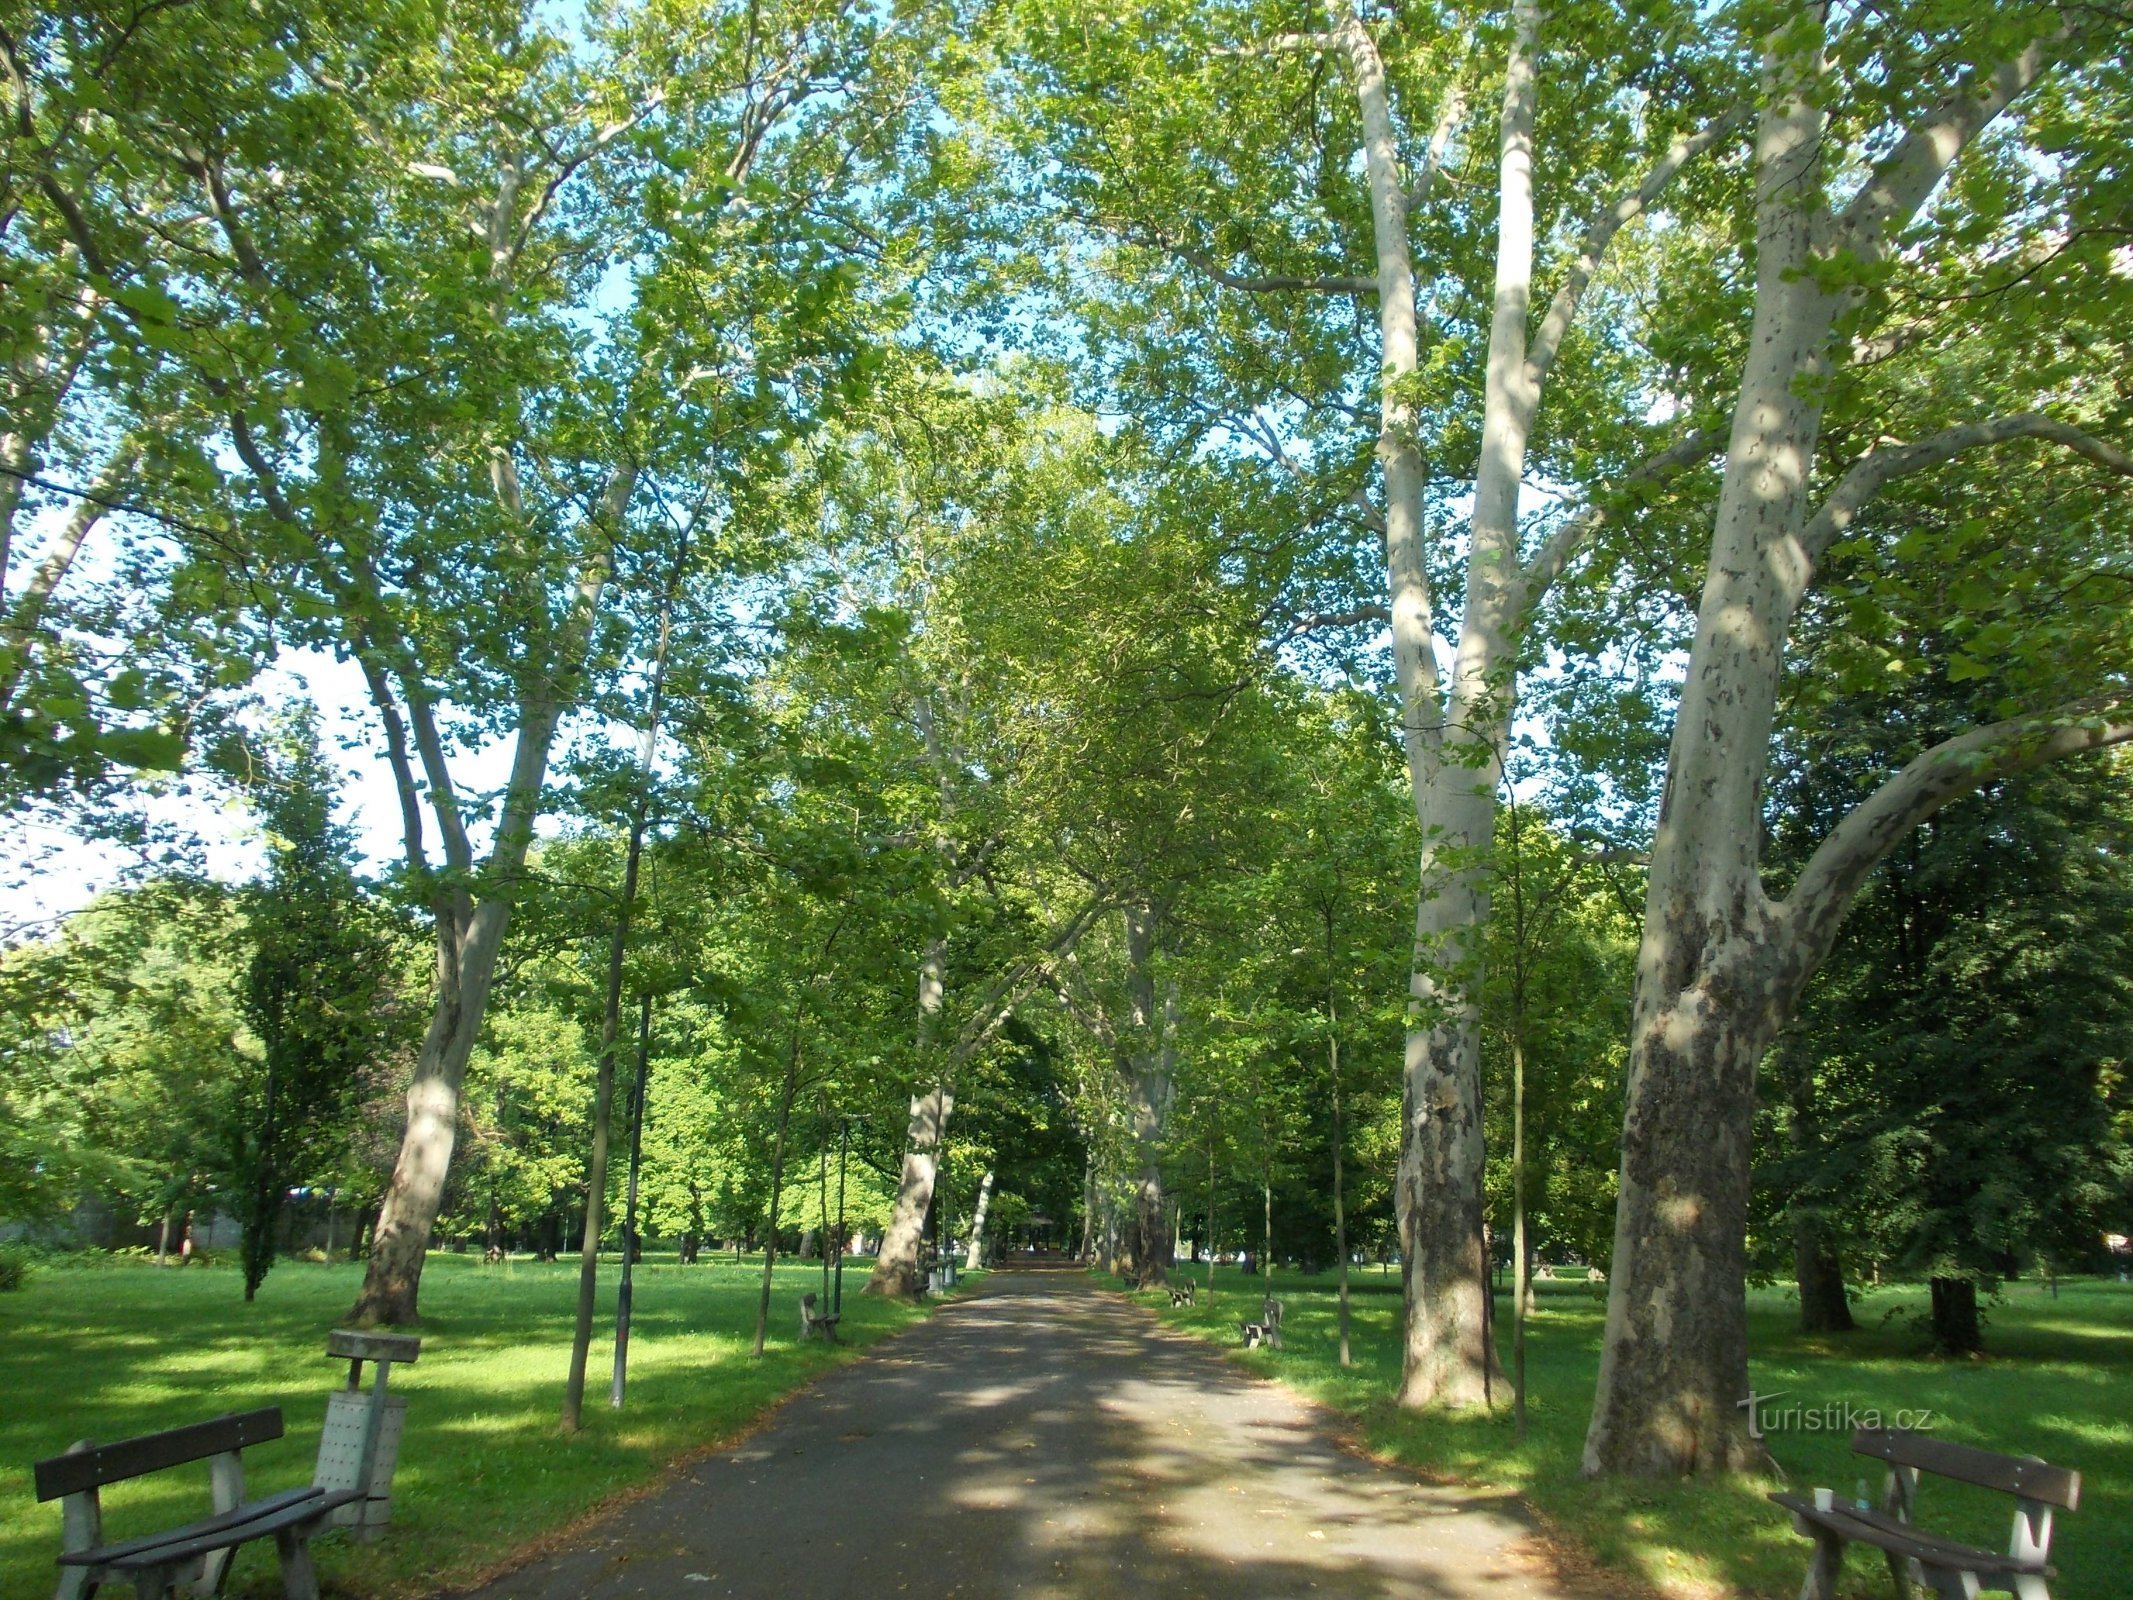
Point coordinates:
pixel 2058 1383
pixel 110 1353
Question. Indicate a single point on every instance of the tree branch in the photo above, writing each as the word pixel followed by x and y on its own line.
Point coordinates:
pixel 1884 464
pixel 1280 44
pixel 1449 116
pixel 1899 185
pixel 28 612
pixel 1951 769
pixel 1253 284
pixel 1550 560
pixel 404 784
pixel 1353 617
pixel 1600 233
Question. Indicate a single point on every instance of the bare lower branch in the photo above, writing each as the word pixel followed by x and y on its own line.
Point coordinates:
pixel 1253 283
pixel 1355 616
pixel 1951 769
pixel 1550 560
pixel 1449 115
pixel 1600 233
pixel 1280 44
pixel 1012 986
pixel 27 614
pixel 404 785
pixel 1883 465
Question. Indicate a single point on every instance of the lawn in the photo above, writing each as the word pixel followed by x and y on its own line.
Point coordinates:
pixel 2058 1383
pixel 108 1352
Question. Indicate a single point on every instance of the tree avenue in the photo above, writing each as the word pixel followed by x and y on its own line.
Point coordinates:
pixel 1232 636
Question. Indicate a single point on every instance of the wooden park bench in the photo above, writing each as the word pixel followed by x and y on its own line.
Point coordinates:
pixel 198 1553
pixel 1944 1566
pixel 814 1325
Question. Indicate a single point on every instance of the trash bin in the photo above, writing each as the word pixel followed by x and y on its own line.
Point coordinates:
pixel 361 1442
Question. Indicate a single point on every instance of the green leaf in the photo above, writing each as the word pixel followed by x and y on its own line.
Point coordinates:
pixel 150 749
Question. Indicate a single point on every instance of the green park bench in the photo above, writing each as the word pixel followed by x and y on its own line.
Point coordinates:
pixel 199 1553
pixel 1944 1566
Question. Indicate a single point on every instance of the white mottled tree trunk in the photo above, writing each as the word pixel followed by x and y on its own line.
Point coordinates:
pixel 1152 1067
pixel 1722 964
pixel 1446 1358
pixel 975 1257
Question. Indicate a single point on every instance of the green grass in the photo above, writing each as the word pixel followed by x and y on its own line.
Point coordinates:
pixel 110 1352
pixel 2058 1383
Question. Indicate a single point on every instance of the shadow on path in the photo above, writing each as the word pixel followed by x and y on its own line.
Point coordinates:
pixel 1044 1439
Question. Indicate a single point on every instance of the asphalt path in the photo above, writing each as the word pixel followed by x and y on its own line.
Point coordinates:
pixel 1044 1438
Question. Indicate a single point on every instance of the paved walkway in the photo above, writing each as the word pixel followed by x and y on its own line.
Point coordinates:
pixel 1044 1439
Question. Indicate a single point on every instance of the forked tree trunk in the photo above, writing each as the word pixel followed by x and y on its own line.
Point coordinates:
pixel 1721 965
pixel 470 935
pixel 1452 751
pixel 1710 995
pixel 1447 1358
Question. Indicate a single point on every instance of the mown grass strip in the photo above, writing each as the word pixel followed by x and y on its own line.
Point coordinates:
pixel 484 1470
pixel 2058 1383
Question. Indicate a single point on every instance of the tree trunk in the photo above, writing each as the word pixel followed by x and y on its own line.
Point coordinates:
pixel 1709 996
pixel 975 1258
pixel 896 1270
pixel 1956 1329
pixel 896 1266
pixel 1445 1358
pixel 1446 1354
pixel 1521 1269
pixel 400 1239
pixel 1152 1066
pixel 777 1182
pixel 1824 1306
pixel 1721 966
pixel 1211 1262
pixel 1340 1202
pixel 1088 1204
pixel 1266 1195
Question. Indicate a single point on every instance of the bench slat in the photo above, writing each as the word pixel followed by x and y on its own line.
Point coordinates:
pixel 260 1525
pixel 2031 1480
pixel 363 1344
pixel 1906 1539
pixel 79 1470
pixel 220 1521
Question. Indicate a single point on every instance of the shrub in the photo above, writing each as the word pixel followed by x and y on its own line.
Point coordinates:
pixel 15 1262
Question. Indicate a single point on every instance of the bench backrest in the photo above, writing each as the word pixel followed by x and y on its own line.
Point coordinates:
pixel 98 1465
pixel 2025 1476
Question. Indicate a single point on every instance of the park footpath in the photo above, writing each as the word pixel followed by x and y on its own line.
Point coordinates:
pixel 1045 1438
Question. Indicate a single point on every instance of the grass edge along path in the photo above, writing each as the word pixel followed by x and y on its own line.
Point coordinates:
pixel 487 1480
pixel 2057 1382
